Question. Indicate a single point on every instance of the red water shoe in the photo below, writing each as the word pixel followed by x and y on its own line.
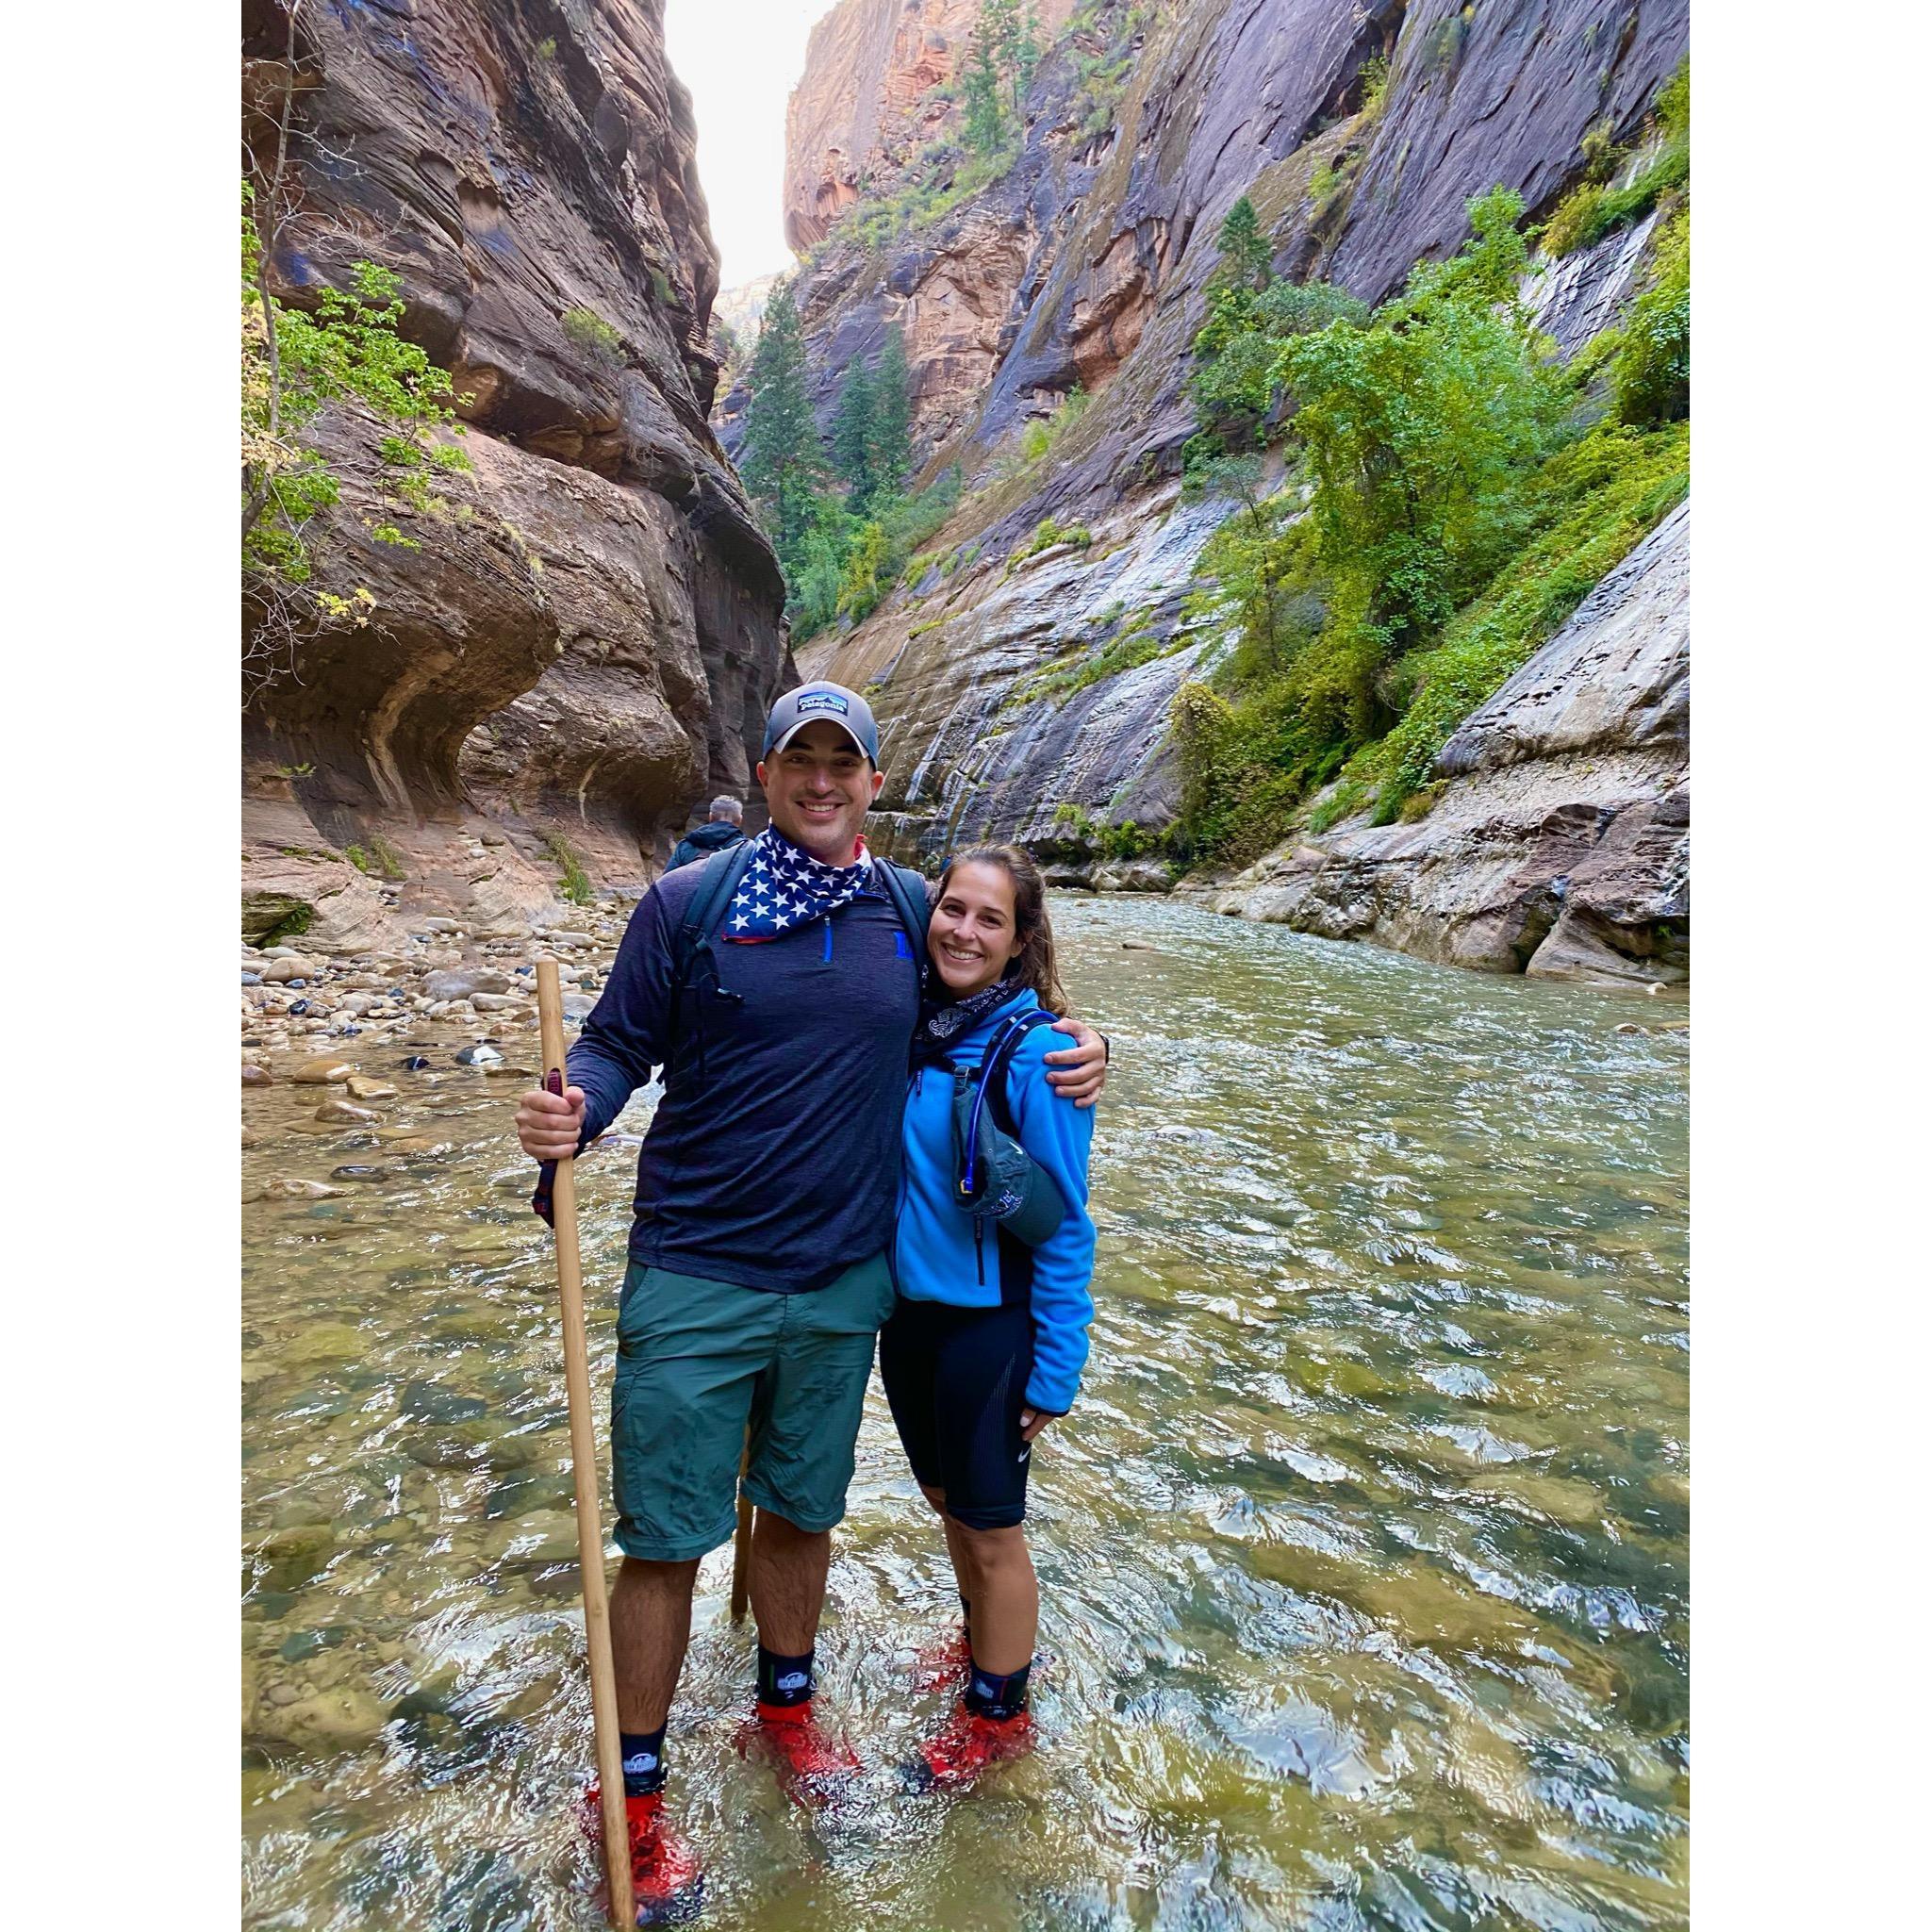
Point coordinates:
pixel 813 1767
pixel 955 1755
pixel 666 1880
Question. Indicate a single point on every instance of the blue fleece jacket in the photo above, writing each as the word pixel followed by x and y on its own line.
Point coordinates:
pixel 934 1255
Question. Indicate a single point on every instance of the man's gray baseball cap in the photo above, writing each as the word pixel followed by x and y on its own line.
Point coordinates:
pixel 833 705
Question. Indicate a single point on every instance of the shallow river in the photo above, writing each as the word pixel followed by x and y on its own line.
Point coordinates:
pixel 1362 1558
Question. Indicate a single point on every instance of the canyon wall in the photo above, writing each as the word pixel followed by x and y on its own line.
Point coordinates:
pixel 1022 674
pixel 577 639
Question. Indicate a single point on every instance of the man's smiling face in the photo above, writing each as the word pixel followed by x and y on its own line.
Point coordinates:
pixel 818 790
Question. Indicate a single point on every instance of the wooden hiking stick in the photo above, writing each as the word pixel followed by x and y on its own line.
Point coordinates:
pixel 741 1548
pixel 604 1683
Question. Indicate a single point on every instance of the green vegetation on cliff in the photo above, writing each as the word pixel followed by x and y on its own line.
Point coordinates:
pixel 1453 491
pixel 294 363
pixel 1593 208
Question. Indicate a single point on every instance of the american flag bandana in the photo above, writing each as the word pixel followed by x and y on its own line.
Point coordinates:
pixel 784 888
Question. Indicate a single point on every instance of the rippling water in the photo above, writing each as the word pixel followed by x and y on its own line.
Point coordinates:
pixel 1362 1558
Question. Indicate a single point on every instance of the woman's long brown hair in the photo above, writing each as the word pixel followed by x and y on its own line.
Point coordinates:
pixel 1035 966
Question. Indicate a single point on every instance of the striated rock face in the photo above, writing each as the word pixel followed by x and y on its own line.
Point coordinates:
pixel 988 736
pixel 1477 97
pixel 582 629
pixel 1085 265
pixel 1562 845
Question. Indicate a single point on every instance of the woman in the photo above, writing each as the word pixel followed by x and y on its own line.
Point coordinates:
pixel 988 1335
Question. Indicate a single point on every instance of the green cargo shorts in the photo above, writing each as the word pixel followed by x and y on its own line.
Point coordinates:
pixel 697 1360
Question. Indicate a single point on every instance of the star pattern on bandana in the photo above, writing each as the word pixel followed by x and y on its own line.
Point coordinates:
pixel 784 888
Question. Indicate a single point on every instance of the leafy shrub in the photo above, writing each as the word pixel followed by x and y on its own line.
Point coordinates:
pixel 590 333
pixel 575 885
pixel 1046 533
pixel 1650 360
pixel 294 363
pixel 1591 209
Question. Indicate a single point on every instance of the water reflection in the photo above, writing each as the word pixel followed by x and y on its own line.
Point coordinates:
pixel 1363 1558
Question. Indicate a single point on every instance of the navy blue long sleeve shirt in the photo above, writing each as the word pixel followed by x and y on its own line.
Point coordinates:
pixel 773 1158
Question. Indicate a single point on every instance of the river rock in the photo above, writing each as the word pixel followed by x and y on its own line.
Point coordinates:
pixel 425 1401
pixel 416 1062
pixel 441 925
pixel 363 1088
pixel 253 1076
pixel 442 1452
pixel 344 1114
pixel 497 1002
pixel 578 1006
pixel 463 982
pixel 482 1055
pixel 280 971
pixel 323 1070
pixel 284 1189
pixel 322 1341
pixel 358 1170
pixel 345 1717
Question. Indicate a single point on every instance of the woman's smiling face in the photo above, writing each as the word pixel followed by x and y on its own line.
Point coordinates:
pixel 971 937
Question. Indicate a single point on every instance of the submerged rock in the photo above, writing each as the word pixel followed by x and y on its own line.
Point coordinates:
pixel 346 1114
pixel 284 1189
pixel 325 1069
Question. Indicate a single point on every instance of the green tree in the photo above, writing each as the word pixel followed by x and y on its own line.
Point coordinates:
pixel 785 464
pixel 1650 363
pixel 1422 434
pixel 1013 32
pixel 1245 252
pixel 892 411
pixel 985 120
pixel 852 438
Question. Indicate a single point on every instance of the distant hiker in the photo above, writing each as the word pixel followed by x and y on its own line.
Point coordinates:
pixel 993 1256
pixel 725 827
pixel 778 986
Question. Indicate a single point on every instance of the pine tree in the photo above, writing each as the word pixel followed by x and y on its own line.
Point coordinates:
pixel 784 465
pixel 892 443
pixel 985 122
pixel 1026 56
pixel 852 435
pixel 1245 252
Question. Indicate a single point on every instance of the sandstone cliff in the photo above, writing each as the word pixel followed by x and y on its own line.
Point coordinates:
pixel 588 626
pixel 1023 684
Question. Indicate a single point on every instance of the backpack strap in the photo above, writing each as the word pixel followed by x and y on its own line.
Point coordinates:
pixel 906 889
pixel 717 882
pixel 999 1058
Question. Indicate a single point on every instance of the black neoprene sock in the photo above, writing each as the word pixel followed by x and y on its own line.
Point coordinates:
pixel 643 1753
pixel 784 1681
pixel 987 1695
pixel 966 1617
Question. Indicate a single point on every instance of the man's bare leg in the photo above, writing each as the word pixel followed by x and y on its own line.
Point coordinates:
pixel 649 1626
pixel 787 1576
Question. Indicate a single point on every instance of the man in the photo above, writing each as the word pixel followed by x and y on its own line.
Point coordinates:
pixel 757 1277
pixel 724 828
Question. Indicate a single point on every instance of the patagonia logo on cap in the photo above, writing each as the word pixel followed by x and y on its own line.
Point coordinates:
pixel 822 701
